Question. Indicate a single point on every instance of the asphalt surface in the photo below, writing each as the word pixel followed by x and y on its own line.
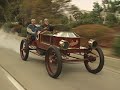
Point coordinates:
pixel 5 84
pixel 32 74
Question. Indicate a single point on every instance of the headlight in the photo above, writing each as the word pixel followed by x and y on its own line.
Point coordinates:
pixel 92 43
pixel 64 44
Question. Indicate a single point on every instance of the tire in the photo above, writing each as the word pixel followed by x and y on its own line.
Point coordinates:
pixel 53 56
pixel 24 50
pixel 100 65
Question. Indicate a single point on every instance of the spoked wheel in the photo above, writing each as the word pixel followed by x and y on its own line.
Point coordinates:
pixel 24 50
pixel 94 60
pixel 53 62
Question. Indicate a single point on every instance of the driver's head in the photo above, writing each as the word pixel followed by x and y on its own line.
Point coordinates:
pixel 33 21
pixel 46 22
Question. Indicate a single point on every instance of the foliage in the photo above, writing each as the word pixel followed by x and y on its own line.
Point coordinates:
pixel 23 10
pixel 92 17
pixel 97 8
pixel 92 30
pixel 95 14
pixel 75 11
pixel 10 9
pixel 101 33
pixel 111 20
pixel 7 27
pixel 63 27
pixel 64 20
pixel 23 32
pixel 113 6
pixel 74 24
pixel 116 46
pixel 40 9
pixel 112 9
pixel 1 14
pixel 11 27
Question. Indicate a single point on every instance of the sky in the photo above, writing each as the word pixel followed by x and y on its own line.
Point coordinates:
pixel 85 4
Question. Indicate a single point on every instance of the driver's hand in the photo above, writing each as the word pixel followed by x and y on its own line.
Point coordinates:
pixel 38 32
pixel 43 31
pixel 45 28
pixel 55 32
pixel 32 32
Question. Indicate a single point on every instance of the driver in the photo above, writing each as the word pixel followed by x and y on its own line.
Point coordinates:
pixel 32 30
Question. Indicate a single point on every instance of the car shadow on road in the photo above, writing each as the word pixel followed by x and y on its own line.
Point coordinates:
pixel 67 68
pixel 76 68
pixel 36 60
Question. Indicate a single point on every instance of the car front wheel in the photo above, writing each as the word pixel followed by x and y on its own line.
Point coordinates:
pixel 24 50
pixel 53 62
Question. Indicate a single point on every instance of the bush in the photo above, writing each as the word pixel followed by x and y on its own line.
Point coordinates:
pixel 8 27
pixel 104 35
pixel 62 27
pixel 23 32
pixel 116 46
pixel 111 20
pixel 1 24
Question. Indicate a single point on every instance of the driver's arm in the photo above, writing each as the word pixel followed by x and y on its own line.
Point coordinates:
pixel 30 31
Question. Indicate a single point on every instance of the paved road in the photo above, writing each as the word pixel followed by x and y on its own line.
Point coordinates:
pixel 5 84
pixel 32 75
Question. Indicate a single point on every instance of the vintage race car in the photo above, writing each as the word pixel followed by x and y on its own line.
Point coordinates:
pixel 63 47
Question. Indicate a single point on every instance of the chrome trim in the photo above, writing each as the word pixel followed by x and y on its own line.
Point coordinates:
pixel 61 42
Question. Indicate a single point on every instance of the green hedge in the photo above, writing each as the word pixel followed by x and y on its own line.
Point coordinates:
pixel 23 32
pixel 111 20
pixel 116 46
pixel 8 26
pixel 1 24
pixel 62 27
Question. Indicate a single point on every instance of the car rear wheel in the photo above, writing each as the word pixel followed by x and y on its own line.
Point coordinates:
pixel 94 61
pixel 53 62
pixel 24 50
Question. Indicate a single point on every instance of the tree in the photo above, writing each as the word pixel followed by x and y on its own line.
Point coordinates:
pixel 3 5
pixel 73 10
pixel 111 9
pixel 97 9
pixel 2 19
pixel 41 9
pixel 113 6
pixel 111 20
pixel 104 1
pixel 10 9
pixel 95 15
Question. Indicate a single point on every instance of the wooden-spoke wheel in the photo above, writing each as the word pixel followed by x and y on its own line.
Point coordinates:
pixel 24 50
pixel 94 60
pixel 53 62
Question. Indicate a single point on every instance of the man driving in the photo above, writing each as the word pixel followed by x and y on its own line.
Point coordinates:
pixel 32 30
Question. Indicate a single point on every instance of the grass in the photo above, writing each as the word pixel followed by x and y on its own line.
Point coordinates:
pixel 103 34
